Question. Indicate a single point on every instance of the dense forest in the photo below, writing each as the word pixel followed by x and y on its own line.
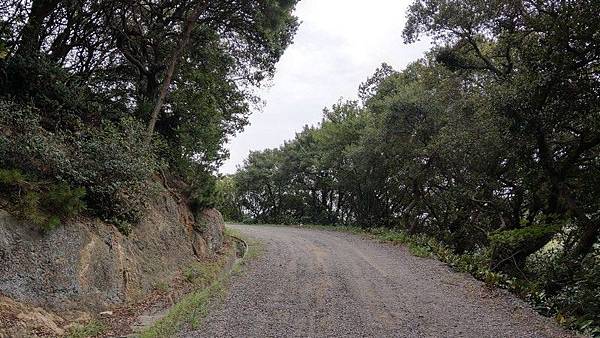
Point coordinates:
pixel 102 100
pixel 489 145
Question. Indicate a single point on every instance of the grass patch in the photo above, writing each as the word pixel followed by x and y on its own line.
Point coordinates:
pixel 189 311
pixel 192 308
pixel 202 274
pixel 418 250
pixel 162 286
pixel 90 329
pixel 255 247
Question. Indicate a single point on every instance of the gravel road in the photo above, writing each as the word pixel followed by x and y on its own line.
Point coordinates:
pixel 314 283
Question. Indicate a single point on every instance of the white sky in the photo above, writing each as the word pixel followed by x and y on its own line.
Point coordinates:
pixel 338 45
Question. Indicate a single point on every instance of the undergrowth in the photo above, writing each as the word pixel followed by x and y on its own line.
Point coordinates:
pixel 192 308
pixel 189 311
pixel 44 204
pixel 93 328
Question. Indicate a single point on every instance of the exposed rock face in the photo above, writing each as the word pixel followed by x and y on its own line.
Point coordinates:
pixel 211 225
pixel 90 265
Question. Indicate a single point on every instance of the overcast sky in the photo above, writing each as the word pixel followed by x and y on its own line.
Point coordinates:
pixel 338 45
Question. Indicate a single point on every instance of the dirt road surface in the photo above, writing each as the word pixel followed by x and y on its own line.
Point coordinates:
pixel 315 283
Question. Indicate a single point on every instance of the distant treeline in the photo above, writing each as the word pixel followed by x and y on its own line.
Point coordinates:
pixel 490 143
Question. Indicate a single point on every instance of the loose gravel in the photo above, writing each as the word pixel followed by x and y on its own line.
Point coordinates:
pixel 315 283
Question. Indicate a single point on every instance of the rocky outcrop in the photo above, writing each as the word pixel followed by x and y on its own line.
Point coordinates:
pixel 211 225
pixel 89 265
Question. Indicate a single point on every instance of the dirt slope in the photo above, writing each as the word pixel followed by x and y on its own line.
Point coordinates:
pixel 314 283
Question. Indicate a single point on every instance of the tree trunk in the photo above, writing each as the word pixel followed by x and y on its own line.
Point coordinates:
pixel 173 61
pixel 587 240
pixel 591 229
pixel 32 31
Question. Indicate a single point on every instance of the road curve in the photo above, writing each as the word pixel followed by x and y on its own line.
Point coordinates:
pixel 314 283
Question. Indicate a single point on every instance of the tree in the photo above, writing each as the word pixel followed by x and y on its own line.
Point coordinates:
pixel 538 60
pixel 87 70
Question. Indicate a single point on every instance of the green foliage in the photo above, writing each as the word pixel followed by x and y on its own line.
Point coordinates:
pixel 202 274
pixel 12 177
pixel 111 162
pixel 66 201
pixel 208 283
pixel 418 250
pixel 517 237
pixel 508 244
pixel 74 104
pixel 115 165
pixel 227 201
pixel 42 204
pixel 28 207
pixel 580 302
pixel 93 328
pixel 574 304
pixel 187 311
pixel 203 193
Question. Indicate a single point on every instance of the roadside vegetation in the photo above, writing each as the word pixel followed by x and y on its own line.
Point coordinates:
pixel 194 306
pixel 93 328
pixel 100 100
pixel 485 153
pixel 210 283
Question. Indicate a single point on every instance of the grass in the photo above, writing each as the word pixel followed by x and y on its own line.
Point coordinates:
pixel 161 286
pixel 189 311
pixel 202 274
pixel 90 329
pixel 419 250
pixel 255 248
pixel 192 308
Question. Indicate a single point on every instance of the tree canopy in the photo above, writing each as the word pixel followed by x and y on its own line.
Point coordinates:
pixel 110 83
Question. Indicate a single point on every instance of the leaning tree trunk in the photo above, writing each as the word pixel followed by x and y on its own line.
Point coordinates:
pixel 590 228
pixel 31 33
pixel 173 61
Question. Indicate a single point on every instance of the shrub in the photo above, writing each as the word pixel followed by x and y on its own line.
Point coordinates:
pixel 66 201
pixel 515 238
pixel 111 163
pixel 62 98
pixel 12 177
pixel 114 164
pixel 510 248
pixel 40 203
pixel 93 328
pixel 419 250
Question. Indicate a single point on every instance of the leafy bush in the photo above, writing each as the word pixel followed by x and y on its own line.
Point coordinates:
pixel 516 238
pixel 419 250
pixel 510 248
pixel 12 177
pixel 61 98
pixel 581 300
pixel 112 162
